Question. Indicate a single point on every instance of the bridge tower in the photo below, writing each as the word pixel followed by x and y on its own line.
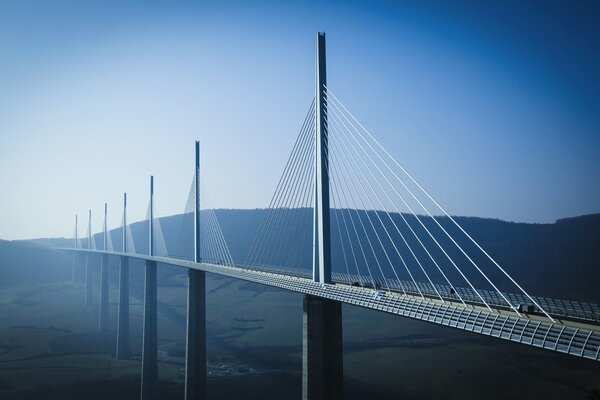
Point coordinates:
pixel 88 265
pixel 322 364
pixel 123 318
pixel 103 314
pixel 150 338
pixel 195 360
pixel 321 231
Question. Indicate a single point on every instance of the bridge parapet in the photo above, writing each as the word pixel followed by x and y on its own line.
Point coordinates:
pixel 578 339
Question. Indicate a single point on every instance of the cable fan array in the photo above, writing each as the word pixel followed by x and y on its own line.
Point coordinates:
pixel 284 236
pixel 376 206
pixel 90 241
pixel 387 232
pixel 213 246
pixel 159 246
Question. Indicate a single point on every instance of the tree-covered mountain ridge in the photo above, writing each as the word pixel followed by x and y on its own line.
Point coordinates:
pixel 560 259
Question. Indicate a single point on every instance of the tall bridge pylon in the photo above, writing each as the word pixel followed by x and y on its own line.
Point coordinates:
pixel 195 360
pixel 123 311
pixel 321 226
pixel 150 335
pixel 322 361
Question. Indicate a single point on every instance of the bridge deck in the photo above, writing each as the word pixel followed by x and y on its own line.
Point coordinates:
pixel 559 308
pixel 580 339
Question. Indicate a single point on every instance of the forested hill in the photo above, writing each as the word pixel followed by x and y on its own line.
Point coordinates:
pixel 561 259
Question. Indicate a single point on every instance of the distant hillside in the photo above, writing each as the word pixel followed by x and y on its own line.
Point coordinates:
pixel 26 262
pixel 560 259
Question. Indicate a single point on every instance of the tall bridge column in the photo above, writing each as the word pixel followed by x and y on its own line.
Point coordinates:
pixel 322 361
pixel 88 280
pixel 88 265
pixel 75 254
pixel 195 355
pixel 322 356
pixel 74 267
pixel 103 314
pixel 76 261
pixel 123 317
pixel 150 338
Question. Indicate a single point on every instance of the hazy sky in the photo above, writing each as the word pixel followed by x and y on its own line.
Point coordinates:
pixel 493 106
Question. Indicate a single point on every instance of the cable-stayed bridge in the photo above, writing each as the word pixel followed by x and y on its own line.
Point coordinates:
pixel 347 224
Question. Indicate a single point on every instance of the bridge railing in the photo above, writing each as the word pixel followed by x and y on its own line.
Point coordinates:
pixel 556 307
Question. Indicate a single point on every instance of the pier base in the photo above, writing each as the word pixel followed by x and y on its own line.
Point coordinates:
pixel 195 357
pixel 322 356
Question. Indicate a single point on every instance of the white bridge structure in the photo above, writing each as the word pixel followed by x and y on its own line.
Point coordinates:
pixel 347 224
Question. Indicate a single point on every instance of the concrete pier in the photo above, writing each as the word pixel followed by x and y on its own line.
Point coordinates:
pixel 195 361
pixel 123 317
pixel 103 314
pixel 88 297
pixel 75 265
pixel 75 255
pixel 88 265
pixel 150 339
pixel 123 311
pixel 322 356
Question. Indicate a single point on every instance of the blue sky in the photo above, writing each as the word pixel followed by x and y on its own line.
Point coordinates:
pixel 493 106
